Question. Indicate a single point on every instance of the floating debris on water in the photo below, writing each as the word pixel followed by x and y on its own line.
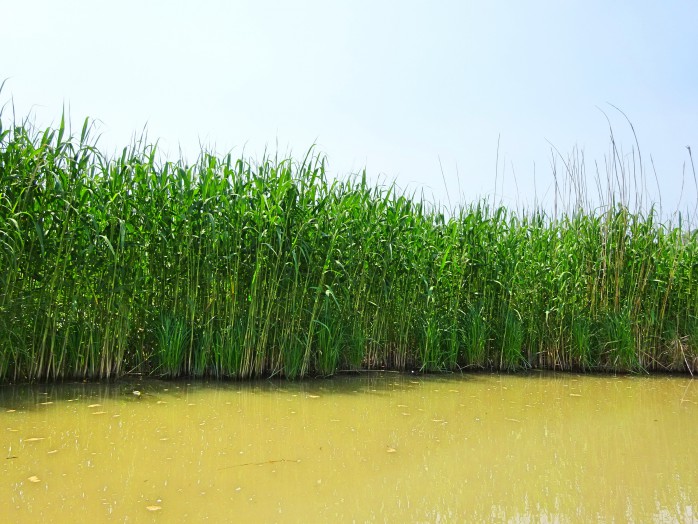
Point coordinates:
pixel 34 478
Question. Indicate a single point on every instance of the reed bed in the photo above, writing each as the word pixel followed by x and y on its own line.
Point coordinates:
pixel 233 268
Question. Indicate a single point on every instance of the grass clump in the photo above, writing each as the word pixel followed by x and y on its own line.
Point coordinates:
pixel 232 268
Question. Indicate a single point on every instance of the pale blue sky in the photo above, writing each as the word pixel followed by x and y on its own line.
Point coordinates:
pixel 396 87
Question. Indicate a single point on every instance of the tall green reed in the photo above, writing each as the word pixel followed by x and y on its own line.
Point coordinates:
pixel 233 268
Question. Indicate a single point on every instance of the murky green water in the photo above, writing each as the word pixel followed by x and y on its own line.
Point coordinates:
pixel 394 448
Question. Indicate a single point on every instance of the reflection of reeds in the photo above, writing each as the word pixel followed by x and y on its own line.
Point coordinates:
pixel 233 268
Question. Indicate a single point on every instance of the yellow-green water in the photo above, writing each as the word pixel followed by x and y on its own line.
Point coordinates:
pixel 373 448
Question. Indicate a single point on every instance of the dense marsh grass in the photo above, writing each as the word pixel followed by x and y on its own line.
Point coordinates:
pixel 233 268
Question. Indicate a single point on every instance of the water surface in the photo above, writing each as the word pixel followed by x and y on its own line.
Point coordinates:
pixel 377 447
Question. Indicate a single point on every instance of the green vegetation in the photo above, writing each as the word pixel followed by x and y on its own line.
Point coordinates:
pixel 230 268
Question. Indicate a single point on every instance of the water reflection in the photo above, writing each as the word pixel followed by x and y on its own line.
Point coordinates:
pixel 374 447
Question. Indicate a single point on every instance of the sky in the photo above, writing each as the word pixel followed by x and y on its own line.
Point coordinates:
pixel 454 100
